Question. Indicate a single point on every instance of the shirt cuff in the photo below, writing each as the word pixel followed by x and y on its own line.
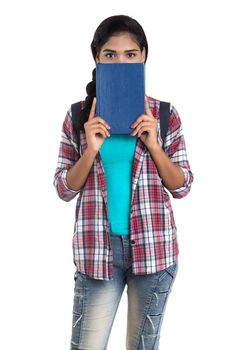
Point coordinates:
pixel 186 182
pixel 64 180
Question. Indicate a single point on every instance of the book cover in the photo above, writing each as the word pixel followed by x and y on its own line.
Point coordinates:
pixel 120 92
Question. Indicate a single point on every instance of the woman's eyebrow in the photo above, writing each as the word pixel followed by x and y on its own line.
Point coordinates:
pixel 109 50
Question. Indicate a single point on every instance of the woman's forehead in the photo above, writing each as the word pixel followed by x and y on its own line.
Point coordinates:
pixel 120 40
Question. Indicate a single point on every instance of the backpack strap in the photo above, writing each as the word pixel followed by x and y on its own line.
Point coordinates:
pixel 75 110
pixel 164 117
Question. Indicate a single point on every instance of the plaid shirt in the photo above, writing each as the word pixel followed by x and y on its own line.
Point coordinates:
pixel 153 236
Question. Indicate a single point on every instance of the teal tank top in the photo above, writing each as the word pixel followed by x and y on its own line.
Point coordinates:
pixel 117 153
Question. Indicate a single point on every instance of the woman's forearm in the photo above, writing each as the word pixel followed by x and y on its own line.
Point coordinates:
pixel 171 174
pixel 77 175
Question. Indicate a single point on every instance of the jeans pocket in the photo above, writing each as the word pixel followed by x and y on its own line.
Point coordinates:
pixel 75 276
pixel 170 272
pixel 80 276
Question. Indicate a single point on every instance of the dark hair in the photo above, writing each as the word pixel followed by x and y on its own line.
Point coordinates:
pixel 108 27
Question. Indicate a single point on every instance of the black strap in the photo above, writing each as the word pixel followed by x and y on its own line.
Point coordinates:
pixel 75 110
pixel 164 116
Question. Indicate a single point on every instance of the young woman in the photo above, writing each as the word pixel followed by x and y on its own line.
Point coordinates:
pixel 124 231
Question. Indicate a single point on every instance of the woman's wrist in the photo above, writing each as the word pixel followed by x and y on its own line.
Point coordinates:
pixel 156 148
pixel 91 152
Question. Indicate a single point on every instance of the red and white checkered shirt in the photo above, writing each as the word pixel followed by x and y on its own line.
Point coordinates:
pixel 153 236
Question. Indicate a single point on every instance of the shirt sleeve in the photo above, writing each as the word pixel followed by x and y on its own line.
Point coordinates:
pixel 176 151
pixel 67 157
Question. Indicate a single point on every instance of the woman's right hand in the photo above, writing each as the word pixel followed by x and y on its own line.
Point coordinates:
pixel 96 129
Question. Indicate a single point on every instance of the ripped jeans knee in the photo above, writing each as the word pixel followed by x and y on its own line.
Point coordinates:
pixel 77 316
pixel 151 298
pixel 151 330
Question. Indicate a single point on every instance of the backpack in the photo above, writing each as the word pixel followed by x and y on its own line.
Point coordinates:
pixel 164 116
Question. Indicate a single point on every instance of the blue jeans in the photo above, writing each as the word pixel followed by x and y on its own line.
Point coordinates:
pixel 96 303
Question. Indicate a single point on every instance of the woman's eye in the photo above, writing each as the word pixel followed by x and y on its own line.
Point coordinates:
pixel 109 55
pixel 131 54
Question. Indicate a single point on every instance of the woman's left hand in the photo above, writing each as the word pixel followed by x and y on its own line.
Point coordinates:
pixel 147 124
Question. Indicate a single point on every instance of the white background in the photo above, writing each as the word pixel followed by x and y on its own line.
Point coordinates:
pixel 46 64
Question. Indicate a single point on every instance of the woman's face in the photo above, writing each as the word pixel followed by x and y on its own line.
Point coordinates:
pixel 121 48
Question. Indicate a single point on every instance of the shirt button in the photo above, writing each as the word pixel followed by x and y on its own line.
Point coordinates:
pixel 132 241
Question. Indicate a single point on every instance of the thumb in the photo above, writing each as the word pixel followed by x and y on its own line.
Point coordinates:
pixel 147 107
pixel 93 109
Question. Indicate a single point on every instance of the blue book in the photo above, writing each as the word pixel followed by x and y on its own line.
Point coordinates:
pixel 120 92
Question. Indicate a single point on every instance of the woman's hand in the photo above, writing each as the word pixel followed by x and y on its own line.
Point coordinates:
pixel 96 129
pixel 146 128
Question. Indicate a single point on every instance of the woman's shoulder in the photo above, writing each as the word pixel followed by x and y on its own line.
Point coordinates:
pixel 80 104
pixel 155 103
pixel 153 100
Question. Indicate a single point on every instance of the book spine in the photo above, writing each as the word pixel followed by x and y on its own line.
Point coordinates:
pixel 97 90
